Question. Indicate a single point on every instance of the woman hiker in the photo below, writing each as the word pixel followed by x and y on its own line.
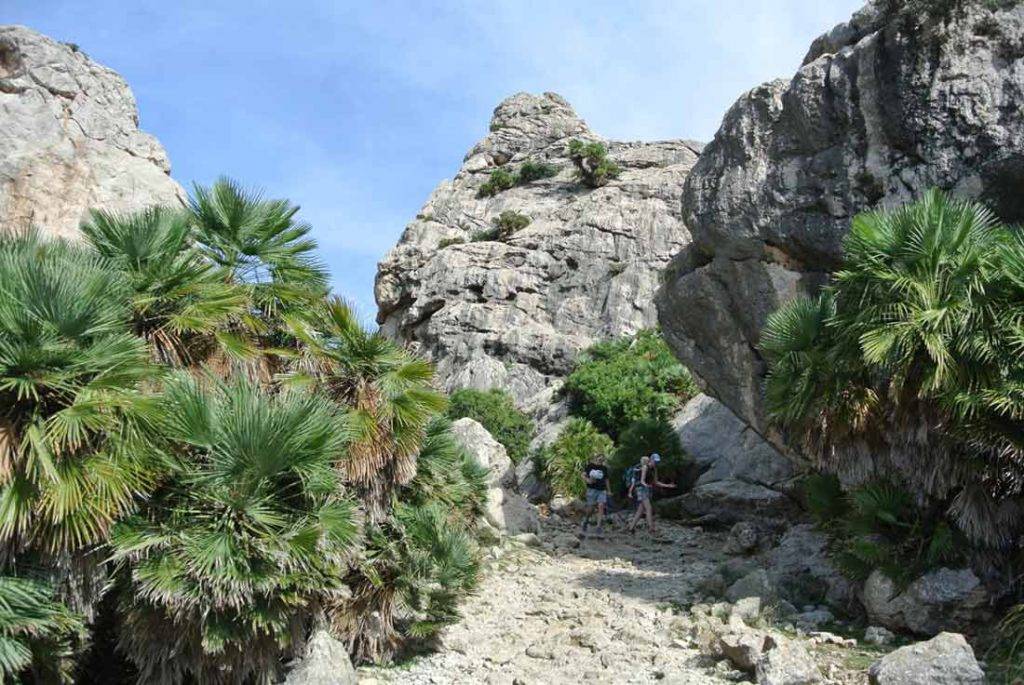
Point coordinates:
pixel 644 480
pixel 595 475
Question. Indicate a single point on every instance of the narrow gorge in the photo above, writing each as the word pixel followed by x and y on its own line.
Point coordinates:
pixel 212 471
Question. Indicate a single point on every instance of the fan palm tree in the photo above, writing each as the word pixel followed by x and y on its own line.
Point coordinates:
pixel 181 302
pixel 420 562
pixel 389 392
pixel 36 632
pixel 71 413
pixel 916 351
pixel 260 244
pixel 237 553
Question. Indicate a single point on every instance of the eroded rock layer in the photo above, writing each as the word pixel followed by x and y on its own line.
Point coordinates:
pixel 513 313
pixel 886 106
pixel 70 138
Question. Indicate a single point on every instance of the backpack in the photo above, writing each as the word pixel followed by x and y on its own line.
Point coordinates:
pixel 631 476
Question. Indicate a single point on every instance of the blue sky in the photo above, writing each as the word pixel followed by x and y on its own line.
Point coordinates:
pixel 356 110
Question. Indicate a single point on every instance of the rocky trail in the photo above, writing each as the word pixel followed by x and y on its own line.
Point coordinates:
pixel 622 609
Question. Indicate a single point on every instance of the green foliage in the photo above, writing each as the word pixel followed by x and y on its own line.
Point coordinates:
pixel 534 171
pixel 619 382
pixel 563 460
pixel 179 299
pixel 593 167
pixel 261 245
pixel 36 632
pixel 448 475
pixel 509 222
pixel 916 347
pixel 646 436
pixel 485 235
pixel 1006 658
pixel 447 242
pixel 499 180
pixel 502 179
pixel 495 411
pixel 251 536
pixel 880 526
pixel 71 412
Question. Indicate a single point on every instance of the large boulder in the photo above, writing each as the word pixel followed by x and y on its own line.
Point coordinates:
pixel 787 662
pixel 742 477
pixel 326 662
pixel 904 97
pixel 513 313
pixel 506 509
pixel 944 599
pixel 70 139
pixel 946 659
pixel 801 571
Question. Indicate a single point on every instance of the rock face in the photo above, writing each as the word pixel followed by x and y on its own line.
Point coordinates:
pixel 507 510
pixel 70 139
pixel 513 313
pixel 946 659
pixel 884 107
pixel 943 599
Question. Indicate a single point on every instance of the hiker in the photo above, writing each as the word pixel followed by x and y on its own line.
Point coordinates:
pixel 644 480
pixel 595 475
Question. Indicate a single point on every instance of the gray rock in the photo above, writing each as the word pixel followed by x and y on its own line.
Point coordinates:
pixel 944 599
pixel 727 502
pixel 800 569
pixel 514 313
pixel 754 584
pixel 742 538
pixel 725 448
pixel 326 662
pixel 786 662
pixel 877 635
pixel 878 114
pixel 506 509
pixel 746 610
pixel 743 647
pixel 70 139
pixel 529 484
pixel 946 659
pixel 814 619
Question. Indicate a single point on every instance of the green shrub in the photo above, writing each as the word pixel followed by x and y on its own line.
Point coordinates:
pixel 644 437
pixel 593 167
pixel 499 180
pixel 485 235
pixel 447 242
pixel 619 382
pixel 535 171
pixel 915 349
pixel 509 222
pixel 564 460
pixel 1006 657
pixel 880 526
pixel 495 411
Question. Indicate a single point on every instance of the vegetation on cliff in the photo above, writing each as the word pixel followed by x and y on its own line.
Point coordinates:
pixel 495 411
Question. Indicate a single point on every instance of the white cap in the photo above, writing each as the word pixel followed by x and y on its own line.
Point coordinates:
pixel 655 457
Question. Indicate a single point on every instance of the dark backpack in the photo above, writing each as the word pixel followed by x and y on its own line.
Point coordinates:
pixel 631 476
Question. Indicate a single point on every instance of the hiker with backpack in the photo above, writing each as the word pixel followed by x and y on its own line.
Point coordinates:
pixel 643 478
pixel 595 475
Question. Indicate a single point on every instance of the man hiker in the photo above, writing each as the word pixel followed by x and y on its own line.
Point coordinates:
pixel 644 480
pixel 595 475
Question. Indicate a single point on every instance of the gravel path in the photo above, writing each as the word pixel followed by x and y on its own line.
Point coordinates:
pixel 557 611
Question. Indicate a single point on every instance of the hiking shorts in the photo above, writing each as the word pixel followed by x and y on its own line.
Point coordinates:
pixel 642 493
pixel 596 497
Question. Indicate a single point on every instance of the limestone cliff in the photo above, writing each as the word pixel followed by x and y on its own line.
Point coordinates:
pixel 513 313
pixel 70 138
pixel 904 97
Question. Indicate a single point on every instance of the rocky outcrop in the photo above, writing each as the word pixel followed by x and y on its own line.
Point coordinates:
pixel 743 478
pixel 885 106
pixel 946 659
pixel 943 599
pixel 70 139
pixel 514 312
pixel 506 510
